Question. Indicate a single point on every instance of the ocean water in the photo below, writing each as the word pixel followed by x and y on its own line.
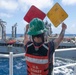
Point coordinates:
pixel 19 66
pixel 18 35
pixel 66 35
pixel 71 70
pixel 70 34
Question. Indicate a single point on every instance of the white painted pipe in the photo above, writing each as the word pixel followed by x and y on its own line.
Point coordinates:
pixel 65 49
pixel 4 55
pixel 53 62
pixel 11 63
pixel 18 55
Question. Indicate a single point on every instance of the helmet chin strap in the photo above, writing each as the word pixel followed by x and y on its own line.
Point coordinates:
pixel 37 45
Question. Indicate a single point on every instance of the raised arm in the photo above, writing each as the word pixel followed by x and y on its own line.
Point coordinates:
pixel 26 37
pixel 61 36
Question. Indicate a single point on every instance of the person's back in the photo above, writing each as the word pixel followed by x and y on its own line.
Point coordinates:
pixel 38 53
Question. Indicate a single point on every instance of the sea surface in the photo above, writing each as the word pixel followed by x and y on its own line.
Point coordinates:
pixel 19 64
pixel 66 35
pixel 18 35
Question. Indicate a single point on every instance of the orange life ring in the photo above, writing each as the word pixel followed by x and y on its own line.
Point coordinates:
pixel 11 41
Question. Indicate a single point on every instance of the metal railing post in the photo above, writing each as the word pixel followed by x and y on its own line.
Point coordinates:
pixel 53 63
pixel 11 63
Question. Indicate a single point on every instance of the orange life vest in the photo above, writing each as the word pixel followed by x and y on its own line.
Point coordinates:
pixel 37 65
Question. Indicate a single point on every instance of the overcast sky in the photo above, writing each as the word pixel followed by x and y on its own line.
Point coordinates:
pixel 13 11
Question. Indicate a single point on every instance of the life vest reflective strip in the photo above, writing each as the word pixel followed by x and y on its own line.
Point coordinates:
pixel 46 47
pixel 36 60
pixel 37 65
pixel 29 45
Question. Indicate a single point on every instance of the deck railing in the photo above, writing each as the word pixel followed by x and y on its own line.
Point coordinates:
pixel 11 55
